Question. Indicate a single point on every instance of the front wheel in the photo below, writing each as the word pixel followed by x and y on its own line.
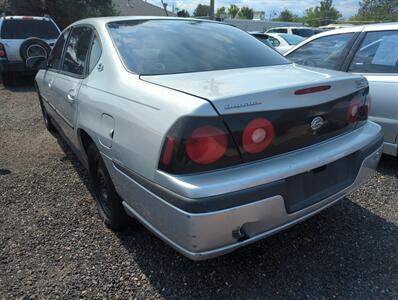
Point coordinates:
pixel 108 202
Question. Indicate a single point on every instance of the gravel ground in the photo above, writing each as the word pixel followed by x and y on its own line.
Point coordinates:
pixel 53 244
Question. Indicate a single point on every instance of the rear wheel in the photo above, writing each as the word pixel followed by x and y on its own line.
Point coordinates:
pixel 108 202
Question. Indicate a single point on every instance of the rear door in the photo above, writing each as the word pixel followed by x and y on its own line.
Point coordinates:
pixel 69 79
pixel 377 59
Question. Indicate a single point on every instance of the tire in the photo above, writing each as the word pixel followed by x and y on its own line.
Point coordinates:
pixel 109 204
pixel 32 47
pixel 46 118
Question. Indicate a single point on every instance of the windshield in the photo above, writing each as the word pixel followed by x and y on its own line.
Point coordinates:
pixel 150 47
pixel 292 39
pixel 26 28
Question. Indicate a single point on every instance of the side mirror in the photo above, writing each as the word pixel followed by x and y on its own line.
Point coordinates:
pixel 36 63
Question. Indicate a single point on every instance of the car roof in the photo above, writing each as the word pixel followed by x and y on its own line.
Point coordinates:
pixel 105 20
pixel 293 27
pixel 26 17
pixel 359 28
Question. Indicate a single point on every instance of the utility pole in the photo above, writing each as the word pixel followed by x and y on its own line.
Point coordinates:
pixel 211 13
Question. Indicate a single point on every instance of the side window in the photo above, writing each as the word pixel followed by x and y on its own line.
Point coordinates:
pixel 282 31
pixel 76 50
pixel 95 53
pixel 55 57
pixel 271 30
pixel 378 53
pixel 324 52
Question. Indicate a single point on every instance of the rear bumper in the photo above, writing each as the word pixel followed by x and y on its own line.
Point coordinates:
pixel 12 66
pixel 209 233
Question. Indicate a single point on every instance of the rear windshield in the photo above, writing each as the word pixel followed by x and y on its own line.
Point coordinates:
pixel 24 28
pixel 150 47
pixel 303 32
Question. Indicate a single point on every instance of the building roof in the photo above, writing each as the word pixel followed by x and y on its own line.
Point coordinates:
pixel 139 8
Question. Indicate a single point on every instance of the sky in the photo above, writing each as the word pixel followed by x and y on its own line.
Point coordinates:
pixel 348 8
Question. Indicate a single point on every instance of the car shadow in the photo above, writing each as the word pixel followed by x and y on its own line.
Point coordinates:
pixel 346 251
pixel 21 84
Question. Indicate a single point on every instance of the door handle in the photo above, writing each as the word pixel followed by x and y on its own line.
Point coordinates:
pixel 71 96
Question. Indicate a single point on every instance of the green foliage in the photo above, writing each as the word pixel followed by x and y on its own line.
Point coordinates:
pixel 183 13
pixel 221 11
pixel 233 11
pixel 201 10
pixel 285 16
pixel 4 6
pixel 377 10
pixel 245 13
pixel 64 12
pixel 322 15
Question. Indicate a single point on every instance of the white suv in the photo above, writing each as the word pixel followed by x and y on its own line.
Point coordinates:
pixel 301 31
pixel 22 37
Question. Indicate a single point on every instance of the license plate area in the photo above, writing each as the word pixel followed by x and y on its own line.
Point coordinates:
pixel 310 187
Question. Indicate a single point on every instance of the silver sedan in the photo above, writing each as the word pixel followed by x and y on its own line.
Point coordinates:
pixel 201 132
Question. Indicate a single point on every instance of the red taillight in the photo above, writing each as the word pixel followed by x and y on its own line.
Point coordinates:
pixel 27 18
pixel 2 51
pixel 353 110
pixel 206 145
pixel 257 135
pixel 311 90
pixel 168 151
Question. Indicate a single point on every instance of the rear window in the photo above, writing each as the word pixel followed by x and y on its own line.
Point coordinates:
pixel 303 32
pixel 23 29
pixel 150 47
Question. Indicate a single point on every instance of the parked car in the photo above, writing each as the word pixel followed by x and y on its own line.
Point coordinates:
pixel 211 147
pixel 279 41
pixel 370 50
pixel 301 31
pixel 262 37
pixel 22 37
pixel 283 42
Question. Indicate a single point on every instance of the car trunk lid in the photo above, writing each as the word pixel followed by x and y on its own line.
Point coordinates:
pixel 304 105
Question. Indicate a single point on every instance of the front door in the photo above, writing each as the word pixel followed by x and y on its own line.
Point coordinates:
pixel 54 65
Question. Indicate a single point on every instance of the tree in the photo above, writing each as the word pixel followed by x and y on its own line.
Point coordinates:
pixel 233 11
pixel 183 13
pixel 377 10
pixel 221 12
pixel 285 16
pixel 4 6
pixel 64 12
pixel 245 13
pixel 322 15
pixel 202 10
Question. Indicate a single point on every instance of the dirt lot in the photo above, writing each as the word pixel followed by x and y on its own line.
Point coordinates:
pixel 53 244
